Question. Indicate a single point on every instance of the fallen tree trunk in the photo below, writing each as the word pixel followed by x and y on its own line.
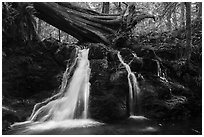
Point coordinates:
pixel 87 25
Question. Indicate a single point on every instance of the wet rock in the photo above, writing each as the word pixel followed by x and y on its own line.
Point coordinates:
pixel 99 77
pixel 108 92
pixel 149 66
pixel 64 54
pixel 108 107
pixel 160 101
pixel 112 56
pixel 127 55
pixel 118 77
pixel 136 64
pixel 97 51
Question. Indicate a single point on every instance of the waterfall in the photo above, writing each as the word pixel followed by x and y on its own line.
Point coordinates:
pixel 72 99
pixel 134 89
pixel 159 72
pixel 68 108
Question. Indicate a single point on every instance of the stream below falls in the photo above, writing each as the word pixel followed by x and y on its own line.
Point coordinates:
pixel 135 125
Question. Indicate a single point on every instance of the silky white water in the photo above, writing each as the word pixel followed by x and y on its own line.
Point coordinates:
pixel 159 72
pixel 134 89
pixel 71 103
pixel 74 103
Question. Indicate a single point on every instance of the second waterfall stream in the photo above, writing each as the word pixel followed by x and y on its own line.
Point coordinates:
pixel 134 89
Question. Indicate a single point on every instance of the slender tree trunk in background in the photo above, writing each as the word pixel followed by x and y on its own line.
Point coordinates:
pixel 105 8
pixel 118 6
pixel 67 37
pixel 59 35
pixel 169 22
pixel 188 29
pixel 199 9
pixel 39 26
pixel 175 19
pixel 182 14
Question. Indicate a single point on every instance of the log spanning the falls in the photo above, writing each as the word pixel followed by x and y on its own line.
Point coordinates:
pixel 87 25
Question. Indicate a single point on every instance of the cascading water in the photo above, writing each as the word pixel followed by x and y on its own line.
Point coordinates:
pixel 159 72
pixel 74 103
pixel 134 89
pixel 68 108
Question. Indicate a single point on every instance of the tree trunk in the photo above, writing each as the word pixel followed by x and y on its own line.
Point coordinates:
pixel 175 19
pixel 188 29
pixel 199 9
pixel 105 8
pixel 118 7
pixel 59 35
pixel 84 24
pixel 169 21
pixel 68 38
pixel 167 10
pixel 39 25
pixel 182 14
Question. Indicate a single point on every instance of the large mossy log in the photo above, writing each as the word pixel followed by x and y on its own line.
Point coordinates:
pixel 87 25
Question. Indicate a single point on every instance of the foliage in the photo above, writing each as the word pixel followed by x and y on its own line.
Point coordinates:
pixel 18 21
pixel 160 9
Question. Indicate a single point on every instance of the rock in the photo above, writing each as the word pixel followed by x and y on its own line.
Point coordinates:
pixel 108 92
pixel 163 99
pixel 9 116
pixel 136 64
pixel 64 54
pixel 97 51
pixel 112 57
pixel 149 66
pixel 127 55
pixel 119 77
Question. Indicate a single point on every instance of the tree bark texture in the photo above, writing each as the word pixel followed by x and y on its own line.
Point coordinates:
pixel 105 8
pixel 188 29
pixel 39 25
pixel 169 21
pixel 84 24
pixel 200 9
pixel 59 35
pixel 175 19
pixel 182 14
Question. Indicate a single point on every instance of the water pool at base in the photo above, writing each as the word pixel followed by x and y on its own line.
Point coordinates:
pixel 136 125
